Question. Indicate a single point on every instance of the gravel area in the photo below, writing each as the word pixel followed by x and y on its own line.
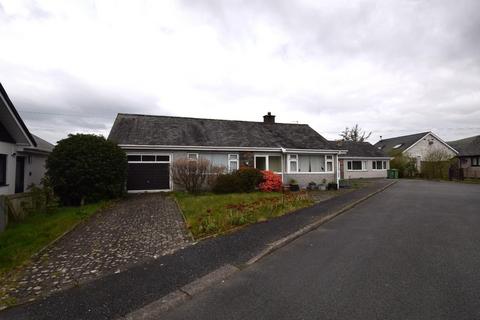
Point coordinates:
pixel 137 229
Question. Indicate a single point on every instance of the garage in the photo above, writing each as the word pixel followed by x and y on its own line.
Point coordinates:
pixel 148 172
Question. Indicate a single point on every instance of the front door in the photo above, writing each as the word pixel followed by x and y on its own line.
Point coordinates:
pixel 20 175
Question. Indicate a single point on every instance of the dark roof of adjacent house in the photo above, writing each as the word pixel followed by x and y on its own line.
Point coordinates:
pixel 16 115
pixel 467 147
pixel 360 149
pixel 399 144
pixel 135 129
pixel 43 145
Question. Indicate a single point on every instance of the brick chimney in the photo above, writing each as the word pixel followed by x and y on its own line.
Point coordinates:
pixel 268 118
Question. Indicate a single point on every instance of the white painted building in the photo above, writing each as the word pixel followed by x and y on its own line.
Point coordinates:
pixel 22 154
pixel 416 146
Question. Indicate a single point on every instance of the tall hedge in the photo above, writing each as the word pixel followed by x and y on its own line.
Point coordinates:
pixel 86 168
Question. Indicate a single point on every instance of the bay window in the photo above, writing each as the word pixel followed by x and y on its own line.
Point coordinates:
pixel 311 163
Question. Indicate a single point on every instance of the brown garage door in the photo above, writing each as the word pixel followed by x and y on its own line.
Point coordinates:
pixel 148 176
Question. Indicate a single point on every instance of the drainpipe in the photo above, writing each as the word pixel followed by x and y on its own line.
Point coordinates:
pixel 338 171
pixel 284 151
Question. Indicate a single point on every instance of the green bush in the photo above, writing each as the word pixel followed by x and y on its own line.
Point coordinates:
pixel 406 166
pixel 435 169
pixel 86 168
pixel 243 180
pixel 43 197
pixel 249 179
pixel 227 183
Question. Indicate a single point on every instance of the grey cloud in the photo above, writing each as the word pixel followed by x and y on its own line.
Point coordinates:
pixel 430 48
pixel 59 102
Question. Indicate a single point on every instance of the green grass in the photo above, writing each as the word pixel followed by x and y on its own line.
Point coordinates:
pixel 21 240
pixel 211 214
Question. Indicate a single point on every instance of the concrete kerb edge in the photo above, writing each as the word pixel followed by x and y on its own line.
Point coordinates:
pixel 156 308
pixel 314 225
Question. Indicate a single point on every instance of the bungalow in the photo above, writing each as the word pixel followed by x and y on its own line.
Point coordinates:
pixel 362 160
pixel 417 146
pixel 468 155
pixel 152 143
pixel 22 154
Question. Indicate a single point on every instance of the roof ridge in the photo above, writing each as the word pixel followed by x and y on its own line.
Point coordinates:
pixel 463 139
pixel 408 135
pixel 210 119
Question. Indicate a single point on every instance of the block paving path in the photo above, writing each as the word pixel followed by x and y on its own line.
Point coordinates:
pixel 135 230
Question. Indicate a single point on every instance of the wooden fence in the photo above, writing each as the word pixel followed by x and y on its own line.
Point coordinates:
pixel 15 207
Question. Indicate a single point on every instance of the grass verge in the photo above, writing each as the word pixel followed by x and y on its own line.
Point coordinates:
pixel 210 214
pixel 23 239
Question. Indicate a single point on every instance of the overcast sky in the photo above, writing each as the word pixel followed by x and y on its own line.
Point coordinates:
pixel 393 67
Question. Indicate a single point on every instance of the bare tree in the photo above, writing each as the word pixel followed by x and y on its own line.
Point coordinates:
pixel 355 134
pixel 213 173
pixel 435 164
pixel 437 155
pixel 190 174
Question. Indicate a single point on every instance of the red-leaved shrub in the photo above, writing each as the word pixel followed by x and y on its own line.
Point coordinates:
pixel 271 182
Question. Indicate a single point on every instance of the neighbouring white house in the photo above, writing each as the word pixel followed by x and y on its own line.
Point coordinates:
pixel 416 146
pixel 153 143
pixel 22 154
pixel 362 161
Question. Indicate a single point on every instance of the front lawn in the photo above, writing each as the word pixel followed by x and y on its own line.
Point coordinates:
pixel 21 240
pixel 210 214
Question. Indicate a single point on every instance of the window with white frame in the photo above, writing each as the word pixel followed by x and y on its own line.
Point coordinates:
pixel 356 165
pixel 215 159
pixel 269 162
pixel 310 163
pixel 232 162
pixel 275 163
pixel 148 158
pixel 192 156
pixel 379 165
pixel 292 163
pixel 329 163
pixel 475 161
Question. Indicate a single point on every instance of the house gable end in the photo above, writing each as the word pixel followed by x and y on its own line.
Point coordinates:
pixel 12 122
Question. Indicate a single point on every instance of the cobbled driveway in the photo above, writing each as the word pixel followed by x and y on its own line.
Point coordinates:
pixel 135 230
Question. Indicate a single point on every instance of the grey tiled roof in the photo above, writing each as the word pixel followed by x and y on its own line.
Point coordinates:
pixel 43 144
pixel 360 149
pixel 134 129
pixel 467 147
pixel 386 145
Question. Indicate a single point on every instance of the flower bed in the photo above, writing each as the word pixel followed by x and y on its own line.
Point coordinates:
pixel 211 214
